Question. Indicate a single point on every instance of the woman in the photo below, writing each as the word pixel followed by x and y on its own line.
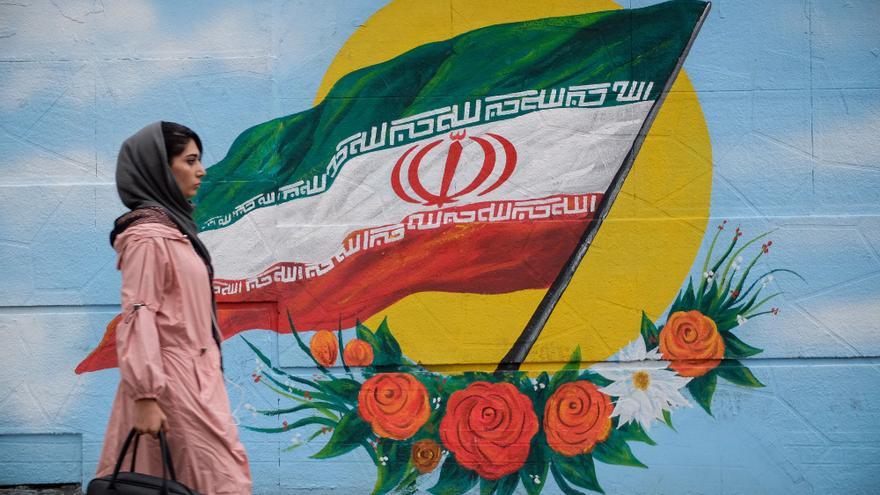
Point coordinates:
pixel 168 343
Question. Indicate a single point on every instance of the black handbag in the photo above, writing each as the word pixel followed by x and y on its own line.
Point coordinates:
pixel 132 483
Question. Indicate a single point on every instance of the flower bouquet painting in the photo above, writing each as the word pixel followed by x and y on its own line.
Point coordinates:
pixel 509 428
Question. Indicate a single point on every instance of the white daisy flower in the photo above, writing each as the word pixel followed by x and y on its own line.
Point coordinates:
pixel 643 386
pixel 740 319
pixel 709 275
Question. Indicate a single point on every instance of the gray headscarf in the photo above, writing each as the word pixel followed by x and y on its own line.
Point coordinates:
pixel 143 180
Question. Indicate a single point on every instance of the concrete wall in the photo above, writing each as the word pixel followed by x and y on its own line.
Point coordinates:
pixel 790 95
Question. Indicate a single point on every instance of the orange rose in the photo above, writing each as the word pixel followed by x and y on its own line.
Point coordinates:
pixel 577 417
pixel 489 428
pixel 425 455
pixel 690 340
pixel 358 353
pixel 324 348
pixel 395 405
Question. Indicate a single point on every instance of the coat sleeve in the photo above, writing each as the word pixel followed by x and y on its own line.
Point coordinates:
pixel 143 264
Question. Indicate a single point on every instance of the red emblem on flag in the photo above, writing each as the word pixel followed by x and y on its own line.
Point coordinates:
pixel 408 170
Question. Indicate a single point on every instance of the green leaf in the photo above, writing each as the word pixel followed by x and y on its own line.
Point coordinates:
pixel 649 332
pixel 579 471
pixel 724 256
pixel 386 350
pixel 596 379
pixel 480 376
pixel 301 407
pixel 736 348
pixel 454 479
pixel 745 274
pixel 507 485
pixel 488 487
pixel 762 302
pixel 311 420
pixel 342 348
pixel 711 250
pixel 688 301
pixel 257 351
pixel 676 305
pixel 667 418
pixel 560 482
pixel 388 345
pixel 544 378
pixel 265 359
pixel 568 373
pixel 366 334
pixel 296 391
pixel 370 449
pixel 634 432
pixel 702 388
pixel 536 463
pixel 715 300
pixel 751 302
pixel 734 372
pixel 501 486
pixel 393 470
pixel 344 388
pixel 704 301
pixel 302 345
pixel 615 450
pixel 407 485
pixel 746 292
pixel 346 437
pixel 726 320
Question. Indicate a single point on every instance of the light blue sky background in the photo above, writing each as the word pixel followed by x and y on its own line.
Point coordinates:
pixel 791 93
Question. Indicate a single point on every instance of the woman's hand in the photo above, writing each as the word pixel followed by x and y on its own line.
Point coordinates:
pixel 148 417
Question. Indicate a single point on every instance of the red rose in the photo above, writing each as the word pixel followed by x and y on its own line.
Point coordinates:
pixel 395 405
pixel 489 428
pixel 691 341
pixel 576 418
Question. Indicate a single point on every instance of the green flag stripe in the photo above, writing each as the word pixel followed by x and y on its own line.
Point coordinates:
pixel 534 61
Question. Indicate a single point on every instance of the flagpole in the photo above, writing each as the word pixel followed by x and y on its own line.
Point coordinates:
pixel 523 345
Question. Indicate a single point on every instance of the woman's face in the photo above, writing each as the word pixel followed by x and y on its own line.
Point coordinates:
pixel 188 170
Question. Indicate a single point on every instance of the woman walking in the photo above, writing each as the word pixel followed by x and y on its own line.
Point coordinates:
pixel 168 342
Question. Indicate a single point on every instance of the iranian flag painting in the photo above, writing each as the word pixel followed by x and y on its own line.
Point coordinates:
pixel 479 164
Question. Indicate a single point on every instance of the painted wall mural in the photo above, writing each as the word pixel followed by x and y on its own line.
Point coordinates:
pixel 553 121
pixel 469 247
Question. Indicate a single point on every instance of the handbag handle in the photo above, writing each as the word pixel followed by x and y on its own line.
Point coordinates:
pixel 163 442
pixel 167 465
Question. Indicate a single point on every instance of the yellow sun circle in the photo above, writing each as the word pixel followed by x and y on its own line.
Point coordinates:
pixel 640 256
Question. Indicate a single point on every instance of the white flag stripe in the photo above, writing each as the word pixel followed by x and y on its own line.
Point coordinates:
pixel 559 151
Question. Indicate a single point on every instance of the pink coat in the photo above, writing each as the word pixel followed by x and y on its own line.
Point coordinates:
pixel 166 351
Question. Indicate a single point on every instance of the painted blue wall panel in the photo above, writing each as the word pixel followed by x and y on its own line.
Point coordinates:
pixel 41 458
